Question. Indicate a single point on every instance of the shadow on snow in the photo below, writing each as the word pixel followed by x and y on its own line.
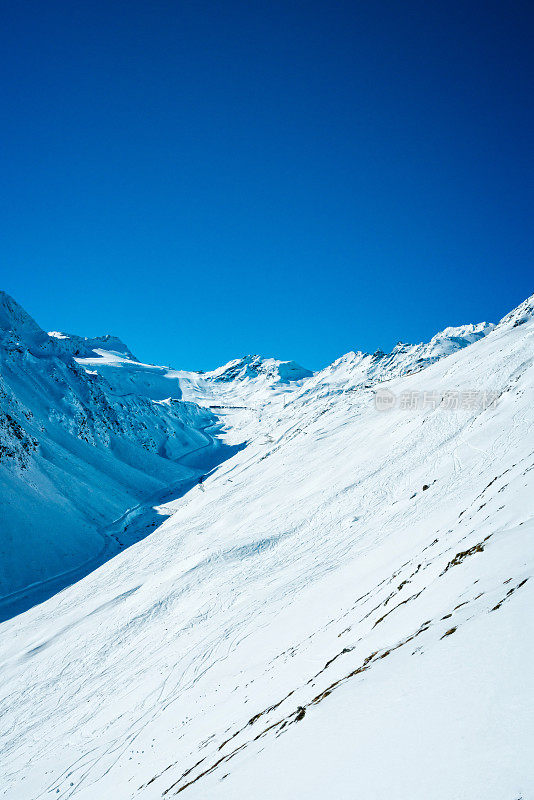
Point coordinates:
pixel 131 527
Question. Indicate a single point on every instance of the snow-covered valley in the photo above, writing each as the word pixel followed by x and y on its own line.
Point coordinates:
pixel 292 589
pixel 88 435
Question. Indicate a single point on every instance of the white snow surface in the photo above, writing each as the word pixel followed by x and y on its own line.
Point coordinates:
pixel 308 621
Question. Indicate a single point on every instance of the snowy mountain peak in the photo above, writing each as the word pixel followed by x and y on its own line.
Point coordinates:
pixel 17 325
pixel 519 315
pixel 464 331
pixel 254 366
pixel 451 339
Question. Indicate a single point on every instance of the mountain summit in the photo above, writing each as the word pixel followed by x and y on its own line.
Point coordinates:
pixel 254 366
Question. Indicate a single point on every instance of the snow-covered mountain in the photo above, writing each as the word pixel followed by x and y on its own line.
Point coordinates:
pixel 359 370
pixel 82 440
pixel 253 367
pixel 253 381
pixel 342 608
pixel 85 347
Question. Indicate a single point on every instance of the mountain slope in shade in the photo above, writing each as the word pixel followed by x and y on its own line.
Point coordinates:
pixel 341 609
pixel 78 449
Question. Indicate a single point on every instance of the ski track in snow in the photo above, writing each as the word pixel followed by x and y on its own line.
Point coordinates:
pixel 308 621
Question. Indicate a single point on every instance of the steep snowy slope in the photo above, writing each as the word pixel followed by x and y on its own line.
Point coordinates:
pixel 342 609
pixel 78 447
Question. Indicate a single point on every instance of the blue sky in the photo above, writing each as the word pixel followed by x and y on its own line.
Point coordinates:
pixel 298 179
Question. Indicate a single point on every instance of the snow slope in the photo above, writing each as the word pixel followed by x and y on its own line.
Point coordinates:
pixel 81 442
pixel 342 609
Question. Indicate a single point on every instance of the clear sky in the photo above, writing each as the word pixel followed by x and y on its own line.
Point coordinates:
pixel 297 179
